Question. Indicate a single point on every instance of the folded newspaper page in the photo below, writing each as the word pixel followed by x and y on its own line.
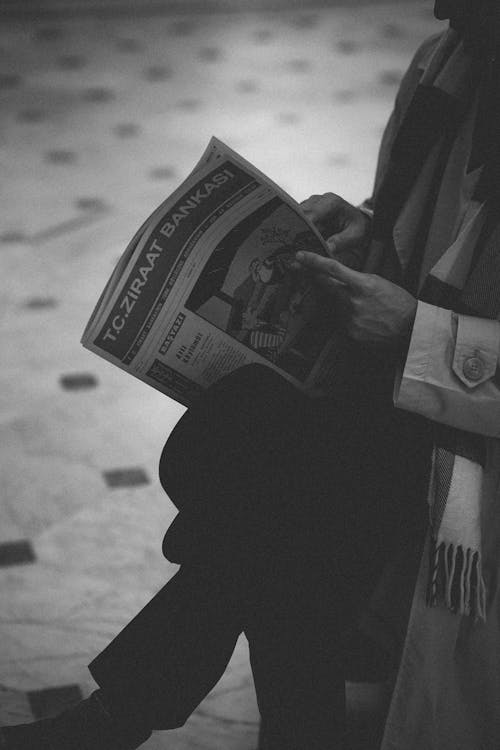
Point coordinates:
pixel 206 286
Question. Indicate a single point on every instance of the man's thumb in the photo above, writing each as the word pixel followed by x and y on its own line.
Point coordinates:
pixel 332 247
pixel 349 238
pixel 349 253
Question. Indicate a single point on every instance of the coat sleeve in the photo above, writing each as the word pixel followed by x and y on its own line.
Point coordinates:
pixel 451 374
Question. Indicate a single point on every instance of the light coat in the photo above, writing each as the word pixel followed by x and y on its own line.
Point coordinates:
pixel 447 690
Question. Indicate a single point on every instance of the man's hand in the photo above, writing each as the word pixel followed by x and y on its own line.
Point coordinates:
pixel 373 310
pixel 345 227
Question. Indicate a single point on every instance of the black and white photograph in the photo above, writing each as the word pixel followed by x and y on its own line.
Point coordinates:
pixel 250 375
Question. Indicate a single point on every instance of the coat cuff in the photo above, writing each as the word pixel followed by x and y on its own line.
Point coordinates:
pixel 476 350
pixel 450 373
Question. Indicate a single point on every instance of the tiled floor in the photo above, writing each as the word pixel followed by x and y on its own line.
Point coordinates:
pixel 100 120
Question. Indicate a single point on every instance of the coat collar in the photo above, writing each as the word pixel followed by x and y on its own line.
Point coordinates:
pixel 436 106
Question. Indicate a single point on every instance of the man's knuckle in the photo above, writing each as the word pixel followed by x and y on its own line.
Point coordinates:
pixel 356 305
pixel 333 199
pixel 358 227
pixel 309 202
pixel 369 283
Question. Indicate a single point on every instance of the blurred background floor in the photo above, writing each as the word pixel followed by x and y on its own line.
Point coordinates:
pixel 102 116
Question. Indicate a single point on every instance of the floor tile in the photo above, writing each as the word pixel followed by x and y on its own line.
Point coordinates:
pixel 41 303
pixel 78 381
pixel 126 130
pixel 126 477
pixel 61 156
pixel 71 62
pixel 16 553
pixel 10 81
pixel 13 236
pixel 51 701
pixel 14 707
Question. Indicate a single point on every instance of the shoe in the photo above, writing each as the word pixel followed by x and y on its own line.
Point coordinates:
pixel 86 726
pixel 24 737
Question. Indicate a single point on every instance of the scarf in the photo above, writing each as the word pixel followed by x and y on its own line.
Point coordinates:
pixel 448 86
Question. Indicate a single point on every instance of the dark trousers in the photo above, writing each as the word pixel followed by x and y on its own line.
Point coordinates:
pixel 289 508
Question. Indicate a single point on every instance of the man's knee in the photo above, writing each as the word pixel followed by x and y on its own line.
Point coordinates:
pixel 235 411
pixel 250 387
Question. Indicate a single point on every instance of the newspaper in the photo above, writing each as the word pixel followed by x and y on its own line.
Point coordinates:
pixel 206 286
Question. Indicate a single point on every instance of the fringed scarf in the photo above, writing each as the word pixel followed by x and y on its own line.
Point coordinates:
pixel 433 117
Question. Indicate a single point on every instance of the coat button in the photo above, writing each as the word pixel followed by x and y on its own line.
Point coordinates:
pixel 473 369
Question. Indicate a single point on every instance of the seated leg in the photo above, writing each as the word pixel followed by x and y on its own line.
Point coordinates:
pixel 154 673
pixel 288 481
pixel 294 622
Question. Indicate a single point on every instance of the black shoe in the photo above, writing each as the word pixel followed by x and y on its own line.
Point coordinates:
pixel 24 737
pixel 86 726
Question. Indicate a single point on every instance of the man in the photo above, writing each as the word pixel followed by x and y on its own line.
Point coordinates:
pixel 271 270
pixel 289 552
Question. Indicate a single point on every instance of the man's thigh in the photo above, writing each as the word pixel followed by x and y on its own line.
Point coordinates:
pixel 256 458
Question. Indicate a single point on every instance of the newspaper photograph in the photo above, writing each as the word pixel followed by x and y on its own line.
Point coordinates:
pixel 206 286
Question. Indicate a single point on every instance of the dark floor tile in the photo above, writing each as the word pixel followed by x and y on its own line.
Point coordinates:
pixel 49 34
pixel 126 477
pixel 31 115
pixel 98 95
pixel 210 54
pixel 288 118
pixel 126 130
pixel 130 46
pixel 71 62
pixel 162 173
pixel 347 46
pixel 16 553
pixel 263 36
pixel 305 22
pixel 51 701
pixel 189 104
pixel 391 77
pixel 10 81
pixel 40 303
pixel 182 28
pixel 393 31
pixel 12 235
pixel 90 204
pixel 247 87
pixel 157 73
pixel 60 156
pixel 78 381
pixel 344 95
pixel 65 227
pixel 299 66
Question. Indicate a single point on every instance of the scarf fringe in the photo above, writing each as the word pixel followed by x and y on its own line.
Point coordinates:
pixel 456 578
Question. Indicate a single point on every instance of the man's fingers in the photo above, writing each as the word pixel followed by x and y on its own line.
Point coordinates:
pixel 330 267
pixel 351 258
pixel 349 238
pixel 328 282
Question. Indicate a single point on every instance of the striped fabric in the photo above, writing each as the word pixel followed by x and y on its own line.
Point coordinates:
pixel 267 343
pixel 264 340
